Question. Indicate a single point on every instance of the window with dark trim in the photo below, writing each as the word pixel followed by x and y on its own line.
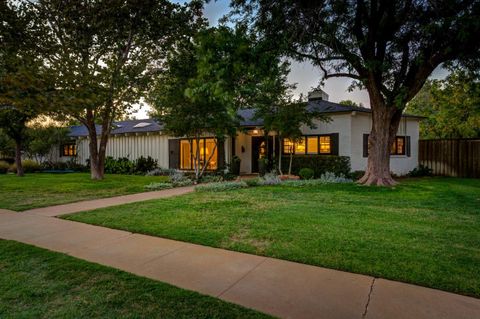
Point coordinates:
pixel 398 146
pixel 207 147
pixel 309 145
pixel 69 149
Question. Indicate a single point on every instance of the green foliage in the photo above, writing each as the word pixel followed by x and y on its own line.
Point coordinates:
pixel 420 171
pixel 452 106
pixel 211 178
pixel 355 175
pixel 270 179
pixel 319 164
pixel 123 165
pixel 235 165
pixel 221 186
pixel 252 182
pixel 42 140
pixel 350 103
pixel 29 166
pixel 306 173
pixel 158 186
pixel 4 167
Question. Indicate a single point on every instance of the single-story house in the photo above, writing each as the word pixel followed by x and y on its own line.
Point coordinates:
pixel 345 135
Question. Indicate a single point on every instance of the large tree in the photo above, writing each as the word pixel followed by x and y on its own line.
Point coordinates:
pixel 389 48
pixel 451 106
pixel 208 79
pixel 24 81
pixel 104 54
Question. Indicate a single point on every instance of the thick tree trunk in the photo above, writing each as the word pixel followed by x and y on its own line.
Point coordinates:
pixel 280 151
pixel 385 121
pixel 18 158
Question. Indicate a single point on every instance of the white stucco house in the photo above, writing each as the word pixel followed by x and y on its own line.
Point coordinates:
pixel 345 135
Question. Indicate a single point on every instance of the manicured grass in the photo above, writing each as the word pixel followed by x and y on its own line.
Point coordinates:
pixel 424 231
pixel 37 283
pixel 42 189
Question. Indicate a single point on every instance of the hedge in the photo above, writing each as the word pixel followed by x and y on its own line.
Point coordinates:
pixel 318 163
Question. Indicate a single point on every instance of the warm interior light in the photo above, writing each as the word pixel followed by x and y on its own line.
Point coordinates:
pixel 255 131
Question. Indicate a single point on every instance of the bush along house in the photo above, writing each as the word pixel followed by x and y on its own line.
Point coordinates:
pixel 339 145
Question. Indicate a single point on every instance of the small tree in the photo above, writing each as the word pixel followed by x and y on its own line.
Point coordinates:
pixel 42 140
pixel 103 55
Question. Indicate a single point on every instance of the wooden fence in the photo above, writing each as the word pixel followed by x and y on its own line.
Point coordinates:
pixel 451 157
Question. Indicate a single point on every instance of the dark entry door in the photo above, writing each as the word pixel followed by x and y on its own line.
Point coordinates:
pixel 262 149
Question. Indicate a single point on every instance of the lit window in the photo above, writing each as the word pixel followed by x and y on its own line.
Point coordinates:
pixel 287 146
pixel 325 145
pixel 398 146
pixel 206 151
pixel 69 149
pixel 300 146
pixel 312 145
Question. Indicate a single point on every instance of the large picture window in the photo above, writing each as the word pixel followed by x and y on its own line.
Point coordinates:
pixel 310 145
pixel 69 149
pixel 207 150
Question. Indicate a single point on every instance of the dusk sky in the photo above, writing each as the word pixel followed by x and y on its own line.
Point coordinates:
pixel 303 74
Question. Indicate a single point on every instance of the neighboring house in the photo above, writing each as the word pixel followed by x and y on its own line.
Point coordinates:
pixel 346 135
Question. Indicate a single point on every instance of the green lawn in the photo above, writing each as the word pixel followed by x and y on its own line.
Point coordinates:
pixel 42 189
pixel 424 231
pixel 37 283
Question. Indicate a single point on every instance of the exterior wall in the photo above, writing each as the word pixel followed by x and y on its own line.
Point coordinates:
pixel 132 146
pixel 339 123
pixel 245 141
pixel 399 164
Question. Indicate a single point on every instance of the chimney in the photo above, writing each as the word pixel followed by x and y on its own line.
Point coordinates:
pixel 317 94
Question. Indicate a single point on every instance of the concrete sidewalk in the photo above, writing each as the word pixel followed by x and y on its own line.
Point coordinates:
pixel 107 202
pixel 281 288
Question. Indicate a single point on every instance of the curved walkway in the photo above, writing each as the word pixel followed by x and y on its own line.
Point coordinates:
pixel 278 287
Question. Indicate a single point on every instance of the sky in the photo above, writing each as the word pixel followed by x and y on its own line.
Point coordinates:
pixel 304 74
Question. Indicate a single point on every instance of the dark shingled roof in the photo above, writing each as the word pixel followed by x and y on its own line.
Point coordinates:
pixel 247 116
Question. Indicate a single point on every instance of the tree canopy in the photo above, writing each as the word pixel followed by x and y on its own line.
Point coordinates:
pixel 451 106
pixel 103 54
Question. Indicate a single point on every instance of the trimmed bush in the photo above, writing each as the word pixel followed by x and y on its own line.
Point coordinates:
pixel 306 173
pixel 356 175
pixel 222 186
pixel 320 164
pixel 4 166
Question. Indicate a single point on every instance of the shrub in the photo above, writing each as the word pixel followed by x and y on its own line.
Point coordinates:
pixel 145 164
pixel 158 186
pixel 120 165
pixel 211 178
pixel 4 166
pixel 356 175
pixel 270 179
pixel 306 173
pixel 320 164
pixel 235 165
pixel 263 165
pixel 222 186
pixel 329 177
pixel 160 172
pixel 29 166
pixel 252 182
pixel 420 171
pixel 176 176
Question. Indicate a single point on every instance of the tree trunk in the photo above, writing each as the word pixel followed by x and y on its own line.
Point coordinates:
pixel 18 158
pixel 280 150
pixel 290 164
pixel 220 154
pixel 385 122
